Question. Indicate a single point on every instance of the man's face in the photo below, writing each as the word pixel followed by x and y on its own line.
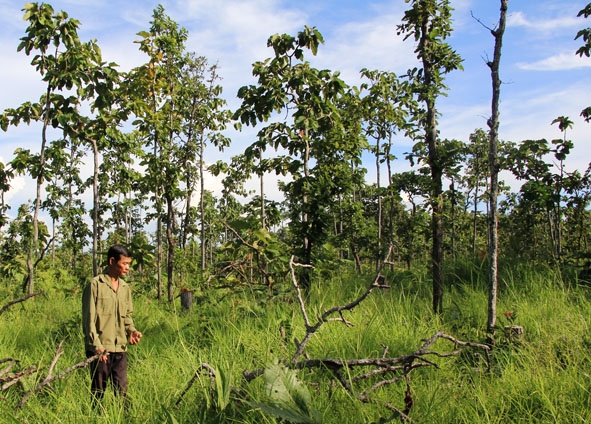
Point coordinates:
pixel 121 267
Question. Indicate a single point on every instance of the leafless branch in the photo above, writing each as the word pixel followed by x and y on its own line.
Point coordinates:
pixel 387 370
pixel 7 379
pixel 14 302
pixel 311 329
pixel 204 369
pixel 50 378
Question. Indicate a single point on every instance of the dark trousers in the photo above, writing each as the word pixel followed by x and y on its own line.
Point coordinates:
pixel 115 369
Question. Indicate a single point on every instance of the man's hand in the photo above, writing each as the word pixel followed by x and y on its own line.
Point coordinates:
pixel 135 337
pixel 104 357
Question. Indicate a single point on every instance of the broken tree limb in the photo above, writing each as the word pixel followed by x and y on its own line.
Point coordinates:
pixel 405 363
pixel 6 379
pixel 50 378
pixel 204 369
pixel 325 317
pixel 386 370
pixel 15 301
pixel 396 368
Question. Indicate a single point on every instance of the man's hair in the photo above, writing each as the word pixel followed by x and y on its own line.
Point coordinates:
pixel 116 251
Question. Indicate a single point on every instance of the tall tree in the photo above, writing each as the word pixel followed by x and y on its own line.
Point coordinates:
pixel 67 67
pixel 318 148
pixel 156 86
pixel 429 23
pixel 585 35
pixel 386 107
pixel 493 164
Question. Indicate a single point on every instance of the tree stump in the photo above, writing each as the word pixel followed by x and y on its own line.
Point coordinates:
pixel 514 331
pixel 186 299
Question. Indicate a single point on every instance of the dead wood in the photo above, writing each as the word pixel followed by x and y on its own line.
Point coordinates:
pixel 46 383
pixel 15 301
pixel 204 369
pixel 351 372
pixel 386 370
pixel 8 379
pixel 311 329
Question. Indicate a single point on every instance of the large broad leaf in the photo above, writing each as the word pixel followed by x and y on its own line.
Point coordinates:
pixel 289 399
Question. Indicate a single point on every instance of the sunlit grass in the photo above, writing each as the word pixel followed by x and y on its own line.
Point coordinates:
pixel 541 377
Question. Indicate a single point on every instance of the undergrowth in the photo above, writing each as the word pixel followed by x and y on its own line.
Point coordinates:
pixel 541 376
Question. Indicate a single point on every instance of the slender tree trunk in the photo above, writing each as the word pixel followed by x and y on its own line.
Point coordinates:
pixel 262 190
pixel 390 197
pixel 437 234
pixel 202 203
pixel 157 194
pixel 436 197
pixel 95 208
pixel 305 276
pixel 453 220
pixel 171 246
pixel 474 214
pixel 159 254
pixel 29 287
pixel 494 170
pixel 378 185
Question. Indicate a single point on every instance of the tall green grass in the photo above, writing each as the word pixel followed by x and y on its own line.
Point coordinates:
pixel 541 377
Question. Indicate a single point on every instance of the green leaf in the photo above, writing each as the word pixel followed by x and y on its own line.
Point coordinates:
pixel 289 398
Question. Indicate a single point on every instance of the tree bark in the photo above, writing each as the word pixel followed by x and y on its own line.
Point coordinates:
pixel 494 170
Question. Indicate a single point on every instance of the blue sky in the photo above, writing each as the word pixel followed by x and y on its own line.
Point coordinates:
pixel 543 78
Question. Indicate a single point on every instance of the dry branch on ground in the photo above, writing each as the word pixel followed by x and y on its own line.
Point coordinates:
pixel 386 370
pixel 375 372
pixel 15 301
pixel 8 378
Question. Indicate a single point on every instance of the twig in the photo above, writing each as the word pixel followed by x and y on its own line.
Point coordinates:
pixel 5 370
pixel 15 378
pixel 210 373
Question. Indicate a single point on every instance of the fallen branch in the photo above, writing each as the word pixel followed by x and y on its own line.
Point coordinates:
pixel 50 378
pixel 383 364
pixel 396 369
pixel 210 372
pixel 14 302
pixel 311 329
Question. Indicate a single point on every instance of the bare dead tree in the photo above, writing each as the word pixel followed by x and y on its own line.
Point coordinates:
pixel 493 159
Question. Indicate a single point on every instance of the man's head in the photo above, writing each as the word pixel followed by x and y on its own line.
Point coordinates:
pixel 119 259
pixel 116 251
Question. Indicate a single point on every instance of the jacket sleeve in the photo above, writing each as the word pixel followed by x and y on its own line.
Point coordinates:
pixel 127 320
pixel 91 335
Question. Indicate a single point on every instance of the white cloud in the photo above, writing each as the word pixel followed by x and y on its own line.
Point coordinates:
pixel 559 62
pixel 369 44
pixel 17 185
pixel 543 26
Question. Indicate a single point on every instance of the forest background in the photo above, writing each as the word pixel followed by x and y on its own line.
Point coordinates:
pixel 122 159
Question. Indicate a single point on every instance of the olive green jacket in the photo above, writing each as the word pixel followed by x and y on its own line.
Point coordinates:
pixel 106 315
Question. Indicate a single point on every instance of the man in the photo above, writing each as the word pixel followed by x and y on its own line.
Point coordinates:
pixel 106 321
